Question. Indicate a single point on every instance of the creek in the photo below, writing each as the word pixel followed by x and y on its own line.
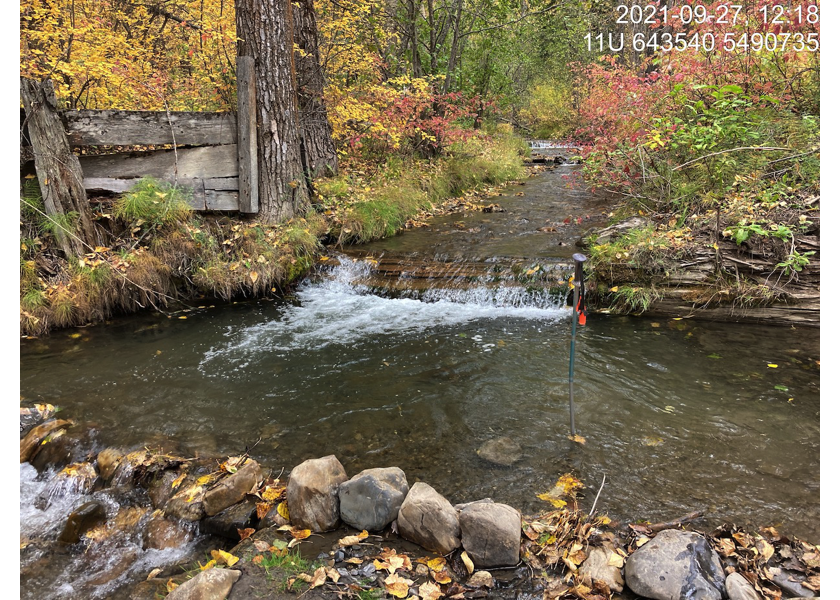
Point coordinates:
pixel 389 368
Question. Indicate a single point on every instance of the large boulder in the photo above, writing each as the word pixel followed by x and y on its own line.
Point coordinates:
pixel 429 520
pixel 312 493
pixel 232 488
pixel 676 565
pixel 490 533
pixel 371 499
pixel 30 443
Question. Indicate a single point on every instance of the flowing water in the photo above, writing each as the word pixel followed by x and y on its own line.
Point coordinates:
pixel 677 415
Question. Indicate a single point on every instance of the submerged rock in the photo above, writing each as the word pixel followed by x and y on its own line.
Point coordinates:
pixel 490 533
pixel 371 499
pixel 82 520
pixel 676 565
pixel 501 451
pixel 312 493
pixel 162 533
pixel 429 520
pixel 107 461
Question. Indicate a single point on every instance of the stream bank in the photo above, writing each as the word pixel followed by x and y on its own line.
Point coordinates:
pixel 153 521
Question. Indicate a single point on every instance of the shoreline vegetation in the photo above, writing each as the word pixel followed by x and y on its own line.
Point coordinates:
pixel 159 252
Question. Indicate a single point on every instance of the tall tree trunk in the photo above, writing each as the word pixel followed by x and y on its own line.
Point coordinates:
pixel 320 156
pixel 264 28
pixel 59 172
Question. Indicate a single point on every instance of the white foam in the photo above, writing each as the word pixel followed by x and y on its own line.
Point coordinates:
pixel 336 310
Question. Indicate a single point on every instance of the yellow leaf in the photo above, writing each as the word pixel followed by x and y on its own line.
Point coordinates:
pixel 578 439
pixel 205 479
pixel 226 557
pixel 441 577
pixel 350 540
pixel 179 480
pixel 273 493
pixel 614 289
pixel 210 564
pixel 436 564
pixel 254 276
pixel 182 317
pixel 300 534
pixel 170 585
pixel 773 366
pixel 616 560
pixel 283 510
pixel 397 586
pixel 467 563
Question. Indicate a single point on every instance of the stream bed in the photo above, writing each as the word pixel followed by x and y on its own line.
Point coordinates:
pixel 677 415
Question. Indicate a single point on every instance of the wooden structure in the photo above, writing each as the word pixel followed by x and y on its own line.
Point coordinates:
pixel 213 155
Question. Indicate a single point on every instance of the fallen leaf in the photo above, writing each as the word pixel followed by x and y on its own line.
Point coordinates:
pixel 333 574
pixel 468 562
pixel 397 586
pixel 210 564
pixel 226 557
pixel 178 480
pixel 300 534
pixel 616 560
pixel 319 578
pixel 170 585
pixel 262 509
pixel 244 534
pixel 258 559
pixel 578 439
pixel 283 510
pixel 261 546
pixel 430 591
pixel 441 576
pixel 436 564
pixel 272 493
pixel 350 540
pixel 773 366
pixel 354 561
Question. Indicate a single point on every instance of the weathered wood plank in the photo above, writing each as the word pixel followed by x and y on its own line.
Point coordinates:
pixel 227 184
pixel 124 127
pixel 246 98
pixel 221 200
pixel 192 163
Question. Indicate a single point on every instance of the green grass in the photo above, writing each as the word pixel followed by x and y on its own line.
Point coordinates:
pixel 153 203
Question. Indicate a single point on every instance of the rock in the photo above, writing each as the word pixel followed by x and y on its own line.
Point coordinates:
pixel 371 499
pixel 500 451
pixel 676 565
pixel 481 579
pixel 738 588
pixel 229 521
pixel 188 501
pixel 62 450
pixel 790 582
pixel 312 493
pixel 114 568
pixel 75 479
pixel 597 566
pixel 232 488
pixel 82 520
pixel 212 584
pixel 32 440
pixel 161 534
pixel 30 416
pixel 490 533
pixel 107 462
pixel 160 489
pixel 460 507
pixel 428 519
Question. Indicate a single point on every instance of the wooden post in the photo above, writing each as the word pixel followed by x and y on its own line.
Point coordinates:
pixel 246 124
pixel 59 173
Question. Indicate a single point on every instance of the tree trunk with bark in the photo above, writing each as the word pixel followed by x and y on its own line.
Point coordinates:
pixel 59 173
pixel 320 156
pixel 264 28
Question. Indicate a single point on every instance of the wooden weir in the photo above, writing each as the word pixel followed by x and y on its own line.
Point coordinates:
pixel 213 155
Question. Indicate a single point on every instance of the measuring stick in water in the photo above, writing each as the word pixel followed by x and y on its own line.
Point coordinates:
pixel 577 314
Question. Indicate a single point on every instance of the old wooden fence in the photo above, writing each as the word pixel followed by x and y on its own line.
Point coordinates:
pixel 211 154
